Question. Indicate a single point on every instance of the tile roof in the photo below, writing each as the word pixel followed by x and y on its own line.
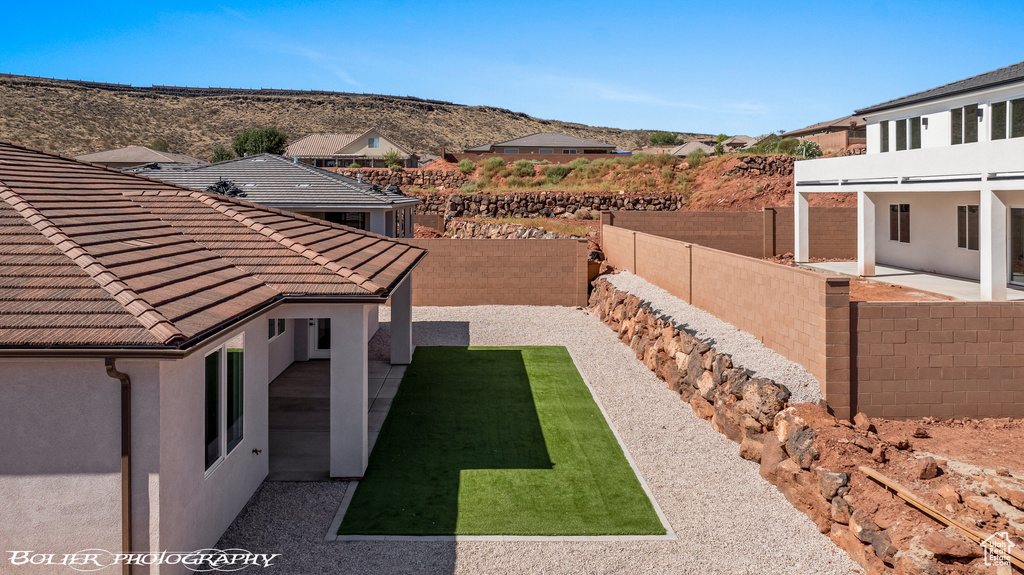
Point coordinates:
pixel 691 146
pixel 319 145
pixel 843 122
pixel 272 180
pixel 138 155
pixel 545 139
pixel 91 256
pixel 1007 75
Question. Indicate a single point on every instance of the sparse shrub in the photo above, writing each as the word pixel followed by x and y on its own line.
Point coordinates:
pixel 556 174
pixel 515 182
pixel 505 172
pixel 523 168
pixel 159 145
pixel 265 140
pixel 494 163
pixel 787 146
pixel 579 163
pixel 468 188
pixel 466 166
pixel 664 160
pixel 668 174
pixel 545 162
pixel 639 158
pixel 696 158
pixel 808 149
pixel 221 154
pixel 354 165
pixel 663 139
pixel 393 160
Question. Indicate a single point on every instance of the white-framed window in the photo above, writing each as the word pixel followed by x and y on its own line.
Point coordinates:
pixel 967 227
pixel 963 124
pixel 1007 119
pixel 908 133
pixel 899 223
pixel 511 150
pixel 224 389
pixel 276 327
pixel 883 127
pixel 373 143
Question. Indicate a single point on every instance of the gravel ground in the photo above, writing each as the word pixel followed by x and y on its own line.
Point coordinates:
pixel 727 519
pixel 746 350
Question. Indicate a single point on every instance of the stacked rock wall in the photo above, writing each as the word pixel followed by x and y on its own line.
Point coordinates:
pixel 764 166
pixel 466 229
pixel 541 204
pixel 406 178
pixel 753 412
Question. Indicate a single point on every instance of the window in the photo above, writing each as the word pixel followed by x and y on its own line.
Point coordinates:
pixel 223 385
pixel 967 227
pixel 899 223
pixel 373 143
pixel 884 127
pixel 511 150
pixel 901 134
pixel 545 151
pixel 276 327
pixel 963 125
pixel 1017 118
pixel 355 220
pixel 915 133
pixel 999 121
pixel 569 151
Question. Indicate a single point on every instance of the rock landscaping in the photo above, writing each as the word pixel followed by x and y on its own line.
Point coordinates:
pixel 813 459
pixel 543 204
pixel 406 177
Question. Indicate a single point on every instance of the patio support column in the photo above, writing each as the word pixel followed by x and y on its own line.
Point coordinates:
pixel 865 234
pixel 376 223
pixel 801 251
pixel 993 246
pixel 390 219
pixel 409 226
pixel 349 371
pixel 401 323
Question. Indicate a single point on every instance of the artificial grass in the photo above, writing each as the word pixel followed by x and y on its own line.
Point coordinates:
pixel 497 441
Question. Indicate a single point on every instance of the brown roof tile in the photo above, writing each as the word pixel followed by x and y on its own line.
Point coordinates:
pixel 92 256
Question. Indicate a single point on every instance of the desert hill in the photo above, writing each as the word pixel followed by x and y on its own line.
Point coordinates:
pixel 74 117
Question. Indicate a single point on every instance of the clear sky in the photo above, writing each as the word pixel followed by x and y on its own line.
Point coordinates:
pixel 712 66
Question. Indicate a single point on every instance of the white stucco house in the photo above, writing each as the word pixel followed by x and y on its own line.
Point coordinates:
pixel 941 188
pixel 140 325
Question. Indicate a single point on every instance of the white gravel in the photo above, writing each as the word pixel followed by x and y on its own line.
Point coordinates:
pixel 746 350
pixel 727 519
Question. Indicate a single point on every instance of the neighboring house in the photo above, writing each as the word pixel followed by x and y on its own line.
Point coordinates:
pixel 683 150
pixel 838 134
pixel 940 187
pixel 140 326
pixel 271 180
pixel 545 143
pixel 136 156
pixel 342 150
pixel 739 142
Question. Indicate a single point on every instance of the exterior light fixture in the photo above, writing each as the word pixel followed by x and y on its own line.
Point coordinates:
pixel 924 122
pixel 980 113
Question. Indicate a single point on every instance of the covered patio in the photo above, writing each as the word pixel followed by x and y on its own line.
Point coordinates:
pixel 957 288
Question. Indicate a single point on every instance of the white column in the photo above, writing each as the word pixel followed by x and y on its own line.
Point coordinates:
pixel 409 227
pixel 401 323
pixel 349 452
pixel 377 222
pixel 801 251
pixel 993 246
pixel 865 234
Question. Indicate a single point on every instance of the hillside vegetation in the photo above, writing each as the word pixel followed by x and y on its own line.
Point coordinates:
pixel 79 117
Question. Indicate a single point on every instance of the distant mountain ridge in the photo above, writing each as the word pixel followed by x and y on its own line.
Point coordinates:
pixel 76 117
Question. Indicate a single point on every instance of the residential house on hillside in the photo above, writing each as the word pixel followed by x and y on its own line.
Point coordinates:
pixel 833 135
pixel 941 187
pixel 549 143
pixel 274 181
pixel 341 150
pixel 688 147
pixel 137 156
pixel 140 326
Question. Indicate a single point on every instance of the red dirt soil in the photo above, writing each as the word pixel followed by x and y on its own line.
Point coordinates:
pixel 713 190
pixel 969 453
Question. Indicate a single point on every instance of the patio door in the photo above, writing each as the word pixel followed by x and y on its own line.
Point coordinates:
pixel 1016 247
pixel 320 338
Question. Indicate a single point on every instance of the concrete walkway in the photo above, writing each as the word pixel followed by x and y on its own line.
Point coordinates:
pixel 959 288
pixel 300 401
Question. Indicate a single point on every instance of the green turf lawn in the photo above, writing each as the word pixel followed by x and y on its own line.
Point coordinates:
pixel 497 441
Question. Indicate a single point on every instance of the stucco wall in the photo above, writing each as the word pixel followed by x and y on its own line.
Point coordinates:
pixel 60 455
pixel 933 234
pixel 281 351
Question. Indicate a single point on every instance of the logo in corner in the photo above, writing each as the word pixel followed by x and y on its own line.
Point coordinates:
pixel 997 548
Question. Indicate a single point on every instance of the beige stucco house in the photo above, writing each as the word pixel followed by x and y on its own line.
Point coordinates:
pixel 340 150
pixel 140 326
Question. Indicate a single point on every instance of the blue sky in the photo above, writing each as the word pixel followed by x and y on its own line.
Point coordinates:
pixel 734 67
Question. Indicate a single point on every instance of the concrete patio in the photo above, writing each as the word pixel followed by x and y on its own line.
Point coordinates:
pixel 958 288
pixel 300 403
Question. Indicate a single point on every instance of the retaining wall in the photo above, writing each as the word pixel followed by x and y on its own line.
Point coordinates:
pixel 801 314
pixel 500 272
pixel 406 177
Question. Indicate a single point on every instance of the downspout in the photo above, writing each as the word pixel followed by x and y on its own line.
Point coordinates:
pixel 126 458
